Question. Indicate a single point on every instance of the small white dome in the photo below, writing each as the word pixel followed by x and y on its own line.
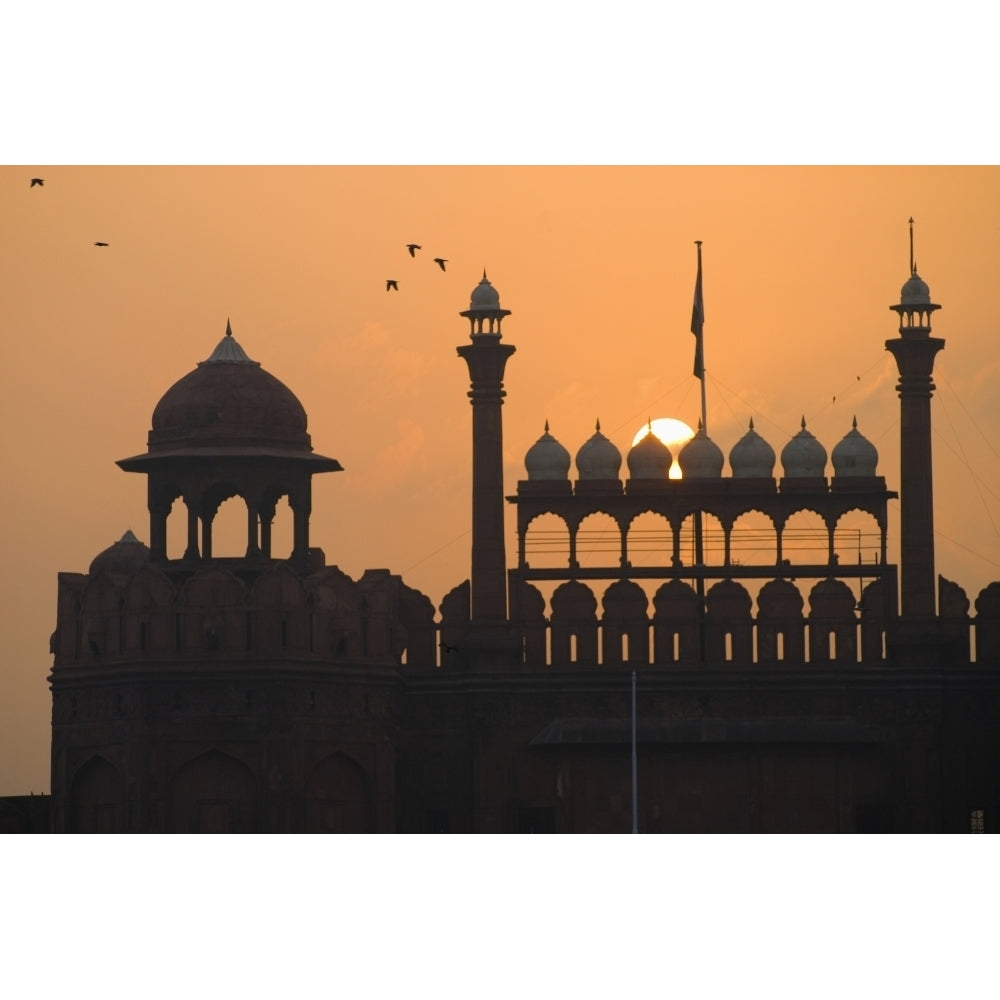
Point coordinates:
pixel 485 298
pixel 598 458
pixel 649 458
pixel 915 292
pixel 701 457
pixel 547 458
pixel 854 454
pixel 803 455
pixel 752 457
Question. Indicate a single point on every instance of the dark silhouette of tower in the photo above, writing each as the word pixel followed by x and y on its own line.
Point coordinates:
pixel 486 357
pixel 914 351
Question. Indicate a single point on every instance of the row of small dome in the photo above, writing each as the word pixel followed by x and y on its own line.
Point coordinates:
pixel 701 458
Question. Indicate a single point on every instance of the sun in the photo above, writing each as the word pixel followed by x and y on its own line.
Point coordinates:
pixel 673 433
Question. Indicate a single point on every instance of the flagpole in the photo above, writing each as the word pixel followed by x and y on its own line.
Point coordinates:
pixel 700 358
pixel 635 777
pixel 697 328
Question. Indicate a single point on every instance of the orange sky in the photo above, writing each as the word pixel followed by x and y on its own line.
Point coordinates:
pixel 597 267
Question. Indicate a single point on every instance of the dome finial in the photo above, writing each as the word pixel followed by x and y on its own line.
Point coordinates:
pixel 854 422
pixel 229 329
pixel 598 423
pixel 751 423
pixel 803 421
pixel 546 426
pixel 913 266
pixel 484 274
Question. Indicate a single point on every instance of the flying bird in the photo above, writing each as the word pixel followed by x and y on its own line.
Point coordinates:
pixel 40 181
pixel 102 244
pixel 390 283
pixel 440 262
pixel 413 248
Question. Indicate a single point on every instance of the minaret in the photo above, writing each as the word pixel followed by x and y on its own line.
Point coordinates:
pixel 914 351
pixel 486 357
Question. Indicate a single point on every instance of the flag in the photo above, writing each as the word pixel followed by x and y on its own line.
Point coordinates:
pixel 697 323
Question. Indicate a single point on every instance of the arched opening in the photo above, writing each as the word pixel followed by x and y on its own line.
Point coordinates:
pixel 572 648
pixel 96 799
pixel 753 540
pixel 650 540
pixel 780 645
pixel 598 541
pixel 177 529
pixel 229 529
pixel 857 542
pixel 702 540
pixel 729 646
pixel 546 543
pixel 282 530
pixel 805 540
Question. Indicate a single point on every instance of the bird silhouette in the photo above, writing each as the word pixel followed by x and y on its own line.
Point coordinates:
pixel 390 283
pixel 102 244
pixel 440 262
pixel 37 180
pixel 413 248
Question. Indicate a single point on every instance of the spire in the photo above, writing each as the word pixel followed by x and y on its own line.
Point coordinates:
pixel 229 329
pixel 913 266
pixel 546 427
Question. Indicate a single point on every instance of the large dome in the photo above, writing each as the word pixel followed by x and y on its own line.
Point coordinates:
pixel 803 456
pixel 126 556
pixel 649 458
pixel 751 457
pixel 854 454
pixel 598 458
pixel 547 458
pixel 229 400
pixel 701 457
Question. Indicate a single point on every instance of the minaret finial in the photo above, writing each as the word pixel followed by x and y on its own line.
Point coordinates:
pixel 229 329
pixel 546 427
pixel 484 275
pixel 913 266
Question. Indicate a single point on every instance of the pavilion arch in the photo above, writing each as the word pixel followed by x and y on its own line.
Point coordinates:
pixel 225 525
pixel 753 539
pixel 280 618
pixel 416 613
pixel 804 539
pixel 649 540
pixel 728 623
pixel 625 624
pixel 97 798
pixel 214 793
pixel 713 540
pixel 574 624
pixel 277 537
pixel 677 613
pixel 858 539
pixel 780 623
pixel 529 613
pixel 598 540
pixel 833 626
pixel 546 542
pixel 338 796
pixel 175 521
pixel 211 613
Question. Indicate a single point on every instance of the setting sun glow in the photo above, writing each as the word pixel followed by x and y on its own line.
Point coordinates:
pixel 673 433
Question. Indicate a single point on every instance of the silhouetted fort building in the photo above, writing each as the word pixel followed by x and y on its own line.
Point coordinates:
pixel 277 694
